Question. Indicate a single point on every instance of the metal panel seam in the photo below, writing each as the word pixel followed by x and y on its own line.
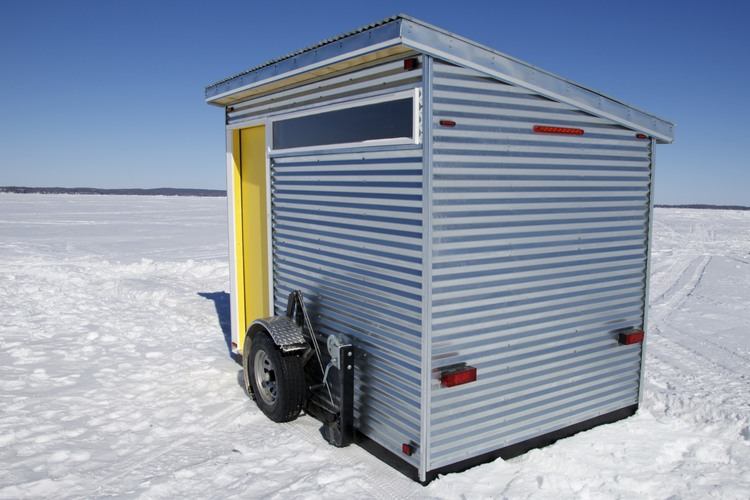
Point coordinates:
pixel 646 290
pixel 424 449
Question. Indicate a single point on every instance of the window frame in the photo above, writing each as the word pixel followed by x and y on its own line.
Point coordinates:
pixel 414 93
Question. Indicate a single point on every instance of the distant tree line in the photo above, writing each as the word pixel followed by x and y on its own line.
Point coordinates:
pixel 140 192
pixel 222 192
pixel 706 207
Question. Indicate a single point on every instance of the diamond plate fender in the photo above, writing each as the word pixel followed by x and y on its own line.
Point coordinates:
pixel 284 332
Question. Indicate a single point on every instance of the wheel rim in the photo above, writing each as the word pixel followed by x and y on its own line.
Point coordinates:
pixel 265 377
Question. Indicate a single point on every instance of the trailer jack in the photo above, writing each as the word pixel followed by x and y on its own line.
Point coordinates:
pixel 339 424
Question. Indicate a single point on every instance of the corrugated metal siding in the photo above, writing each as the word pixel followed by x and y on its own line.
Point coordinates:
pixel 539 257
pixel 348 232
pixel 388 76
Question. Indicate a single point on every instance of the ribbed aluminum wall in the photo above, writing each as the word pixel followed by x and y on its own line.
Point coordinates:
pixel 539 258
pixel 347 231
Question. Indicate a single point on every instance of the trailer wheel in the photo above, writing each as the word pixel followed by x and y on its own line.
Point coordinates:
pixel 277 379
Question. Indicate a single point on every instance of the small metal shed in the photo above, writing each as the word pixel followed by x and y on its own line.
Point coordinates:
pixel 475 229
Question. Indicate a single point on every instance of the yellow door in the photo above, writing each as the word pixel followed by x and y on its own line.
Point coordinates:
pixel 251 216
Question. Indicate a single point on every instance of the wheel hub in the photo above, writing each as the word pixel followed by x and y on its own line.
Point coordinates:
pixel 265 377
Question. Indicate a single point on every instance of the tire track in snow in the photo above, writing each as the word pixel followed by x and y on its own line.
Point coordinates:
pixel 680 289
pixel 672 300
pixel 681 379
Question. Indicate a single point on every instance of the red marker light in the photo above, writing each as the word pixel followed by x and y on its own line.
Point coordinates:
pixel 447 123
pixel 411 63
pixel 463 375
pixel 641 136
pixel 544 129
pixel 631 338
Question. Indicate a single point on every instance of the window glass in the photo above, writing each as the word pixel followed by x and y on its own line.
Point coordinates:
pixel 382 120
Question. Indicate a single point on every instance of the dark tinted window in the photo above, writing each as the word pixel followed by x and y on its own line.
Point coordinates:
pixel 383 120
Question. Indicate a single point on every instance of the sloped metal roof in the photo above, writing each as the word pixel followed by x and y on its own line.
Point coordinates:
pixel 310 48
pixel 404 33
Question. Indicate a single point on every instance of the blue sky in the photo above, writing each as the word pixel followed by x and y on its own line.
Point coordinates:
pixel 109 94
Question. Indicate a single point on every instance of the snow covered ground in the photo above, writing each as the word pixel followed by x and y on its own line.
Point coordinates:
pixel 116 378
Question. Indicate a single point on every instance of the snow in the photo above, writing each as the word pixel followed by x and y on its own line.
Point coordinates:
pixel 117 379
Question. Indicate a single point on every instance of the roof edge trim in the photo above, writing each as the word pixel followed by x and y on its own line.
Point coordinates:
pixel 371 38
pixel 215 99
pixel 412 34
pixel 458 50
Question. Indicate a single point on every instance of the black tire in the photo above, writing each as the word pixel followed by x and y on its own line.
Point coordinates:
pixel 276 379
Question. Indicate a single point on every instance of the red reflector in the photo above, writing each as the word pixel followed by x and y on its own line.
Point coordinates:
pixel 457 377
pixel 447 123
pixel 641 136
pixel 407 449
pixel 410 64
pixel 631 338
pixel 543 129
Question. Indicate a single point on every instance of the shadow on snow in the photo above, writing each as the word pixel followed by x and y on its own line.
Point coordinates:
pixel 221 302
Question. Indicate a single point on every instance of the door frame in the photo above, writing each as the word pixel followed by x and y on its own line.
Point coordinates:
pixel 249 225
